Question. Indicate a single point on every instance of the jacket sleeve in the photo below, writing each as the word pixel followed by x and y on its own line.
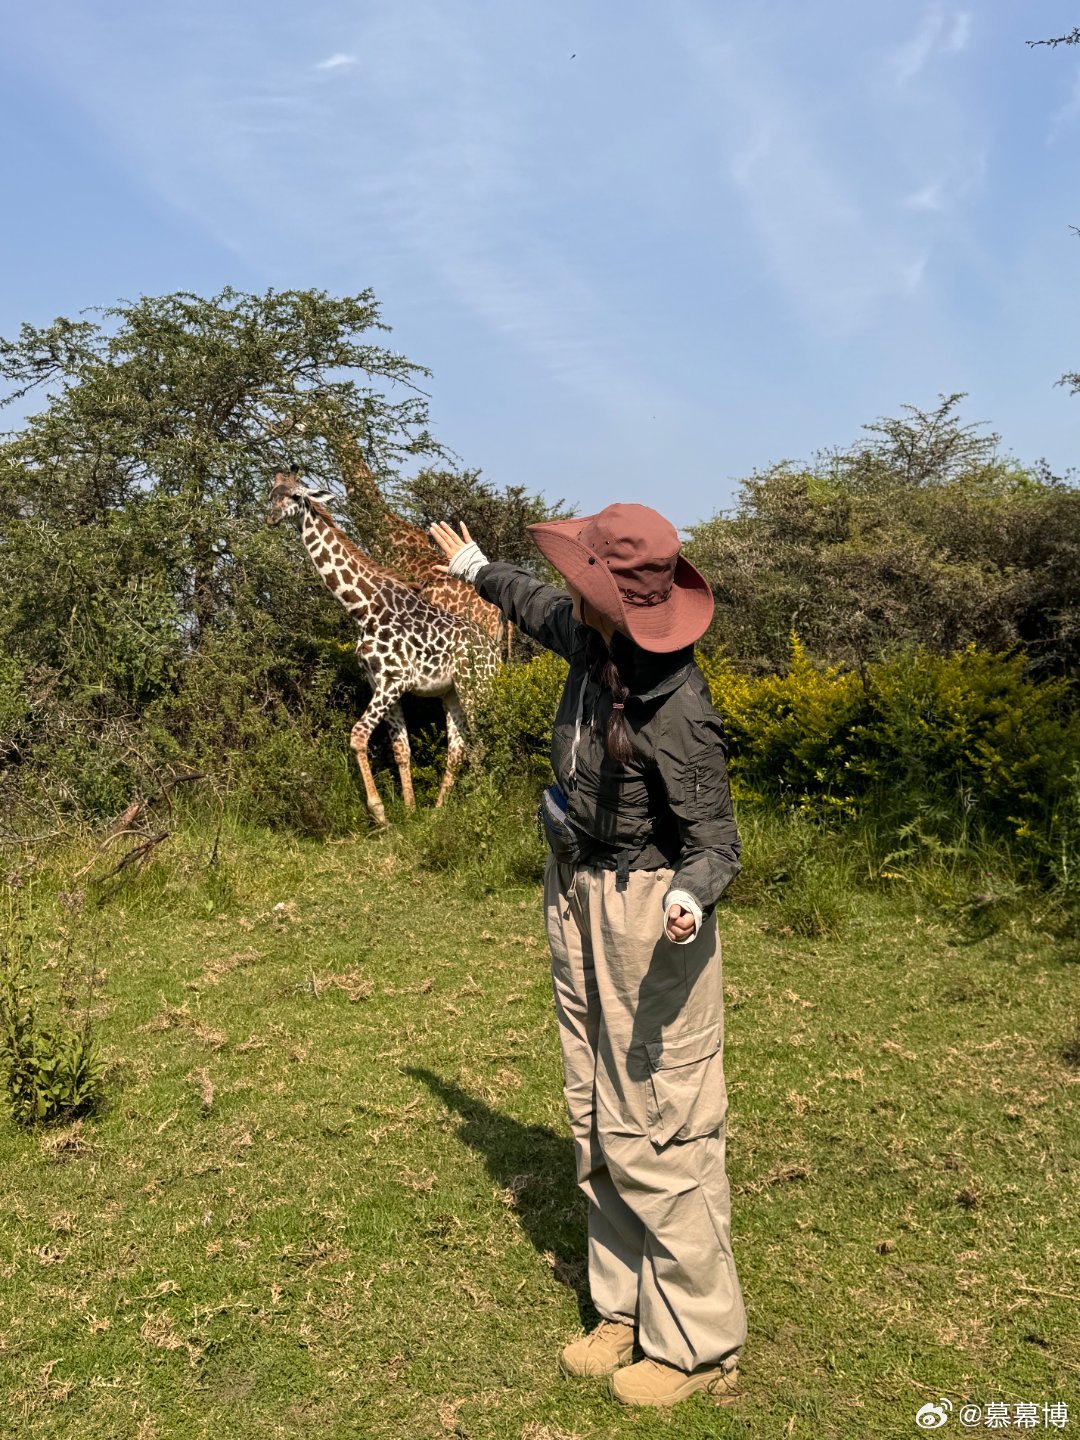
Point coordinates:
pixel 690 759
pixel 544 612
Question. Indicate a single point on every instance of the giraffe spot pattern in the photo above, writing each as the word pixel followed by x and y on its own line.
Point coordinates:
pixel 406 643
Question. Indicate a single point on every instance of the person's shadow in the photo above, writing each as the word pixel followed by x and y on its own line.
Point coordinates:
pixel 537 1167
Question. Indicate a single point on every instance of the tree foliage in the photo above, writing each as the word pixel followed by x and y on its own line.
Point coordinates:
pixel 921 533
pixel 150 617
pixel 498 520
pixel 153 624
pixel 1071 38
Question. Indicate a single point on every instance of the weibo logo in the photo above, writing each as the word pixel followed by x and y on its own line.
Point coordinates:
pixel 932 1417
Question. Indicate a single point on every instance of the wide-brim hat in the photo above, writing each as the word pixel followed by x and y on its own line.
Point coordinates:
pixel 625 561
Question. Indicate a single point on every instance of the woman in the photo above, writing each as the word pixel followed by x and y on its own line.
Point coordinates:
pixel 636 961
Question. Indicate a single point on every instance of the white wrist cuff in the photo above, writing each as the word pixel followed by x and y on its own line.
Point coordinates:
pixel 468 562
pixel 687 901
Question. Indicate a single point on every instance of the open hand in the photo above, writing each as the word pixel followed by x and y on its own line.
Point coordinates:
pixel 448 539
pixel 679 923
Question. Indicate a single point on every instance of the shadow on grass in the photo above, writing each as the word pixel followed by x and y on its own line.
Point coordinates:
pixel 536 1167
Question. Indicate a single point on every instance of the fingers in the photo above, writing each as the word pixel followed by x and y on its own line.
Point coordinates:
pixel 447 538
pixel 679 923
pixel 465 533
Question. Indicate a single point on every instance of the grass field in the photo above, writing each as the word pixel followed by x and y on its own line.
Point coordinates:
pixel 332 1194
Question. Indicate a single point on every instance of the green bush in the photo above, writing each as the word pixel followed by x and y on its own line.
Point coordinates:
pixel 1063 845
pixel 931 750
pixel 286 778
pixel 791 734
pixel 973 729
pixel 14 710
pixel 485 834
pixel 515 716
pixel 54 1073
pixel 921 533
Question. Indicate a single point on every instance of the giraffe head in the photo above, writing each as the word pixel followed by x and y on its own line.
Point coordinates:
pixel 290 496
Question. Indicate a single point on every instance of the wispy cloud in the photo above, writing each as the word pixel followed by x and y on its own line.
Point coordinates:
pixel 455 186
pixel 336 61
pixel 793 209
pixel 929 197
pixel 940 33
pixel 962 171
pixel 961 32
pixel 912 274
pixel 823 246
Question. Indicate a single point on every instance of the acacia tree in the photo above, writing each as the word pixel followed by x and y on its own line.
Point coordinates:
pixel 148 612
pixel 498 519
pixel 191 403
pixel 920 533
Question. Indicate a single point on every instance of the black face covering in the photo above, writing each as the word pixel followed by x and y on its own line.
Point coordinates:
pixel 644 671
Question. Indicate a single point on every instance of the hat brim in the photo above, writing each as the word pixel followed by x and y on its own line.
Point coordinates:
pixel 672 624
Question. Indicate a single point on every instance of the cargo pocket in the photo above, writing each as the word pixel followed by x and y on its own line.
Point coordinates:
pixel 686 1094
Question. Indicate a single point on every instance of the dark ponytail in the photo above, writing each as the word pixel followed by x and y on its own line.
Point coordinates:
pixel 604 670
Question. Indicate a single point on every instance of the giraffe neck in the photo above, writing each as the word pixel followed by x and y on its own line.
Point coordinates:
pixel 350 575
pixel 401 544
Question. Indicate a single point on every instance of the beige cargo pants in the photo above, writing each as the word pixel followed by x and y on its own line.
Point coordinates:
pixel 641 1023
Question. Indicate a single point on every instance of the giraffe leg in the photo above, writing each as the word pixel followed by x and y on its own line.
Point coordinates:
pixel 399 741
pixel 455 743
pixel 381 702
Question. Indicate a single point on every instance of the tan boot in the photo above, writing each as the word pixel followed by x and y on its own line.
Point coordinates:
pixel 651 1382
pixel 599 1353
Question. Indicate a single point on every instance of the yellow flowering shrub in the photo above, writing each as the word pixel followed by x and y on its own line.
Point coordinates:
pixel 921 736
pixel 791 735
pixel 515 715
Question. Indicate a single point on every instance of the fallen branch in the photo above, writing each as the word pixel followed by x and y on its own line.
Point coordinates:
pixel 135 856
pixel 116 835
pixel 125 826
pixel 136 808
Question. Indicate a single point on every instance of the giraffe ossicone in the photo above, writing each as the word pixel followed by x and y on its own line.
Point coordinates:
pixel 407 645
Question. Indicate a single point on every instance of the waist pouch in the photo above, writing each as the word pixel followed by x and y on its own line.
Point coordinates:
pixel 553 826
pixel 571 846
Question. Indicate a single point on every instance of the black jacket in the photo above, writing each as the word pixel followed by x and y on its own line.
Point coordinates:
pixel 671 804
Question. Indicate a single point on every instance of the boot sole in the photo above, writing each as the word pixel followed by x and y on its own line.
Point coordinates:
pixel 718 1397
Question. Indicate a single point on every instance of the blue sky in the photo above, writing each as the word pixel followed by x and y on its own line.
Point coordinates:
pixel 644 247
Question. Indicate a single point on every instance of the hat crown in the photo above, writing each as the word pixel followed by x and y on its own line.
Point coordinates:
pixel 638 546
pixel 625 562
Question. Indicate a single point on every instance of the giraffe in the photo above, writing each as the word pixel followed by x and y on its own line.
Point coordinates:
pixel 408 550
pixel 406 645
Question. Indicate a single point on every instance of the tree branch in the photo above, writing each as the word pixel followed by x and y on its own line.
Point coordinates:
pixel 1071 39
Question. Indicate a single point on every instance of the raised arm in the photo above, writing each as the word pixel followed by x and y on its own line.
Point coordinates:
pixel 543 612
